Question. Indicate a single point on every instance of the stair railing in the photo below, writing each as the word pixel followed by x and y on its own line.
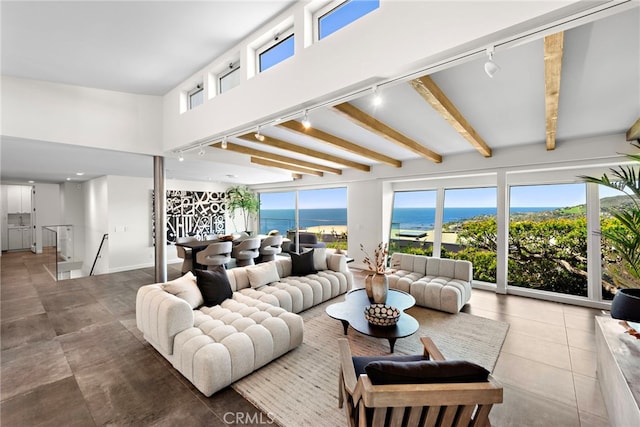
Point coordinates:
pixel 104 237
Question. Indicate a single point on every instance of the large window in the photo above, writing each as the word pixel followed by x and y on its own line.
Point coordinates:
pixel 613 268
pixel 413 222
pixel 469 229
pixel 332 18
pixel 230 78
pixel 322 211
pixel 276 51
pixel 548 238
pixel 277 212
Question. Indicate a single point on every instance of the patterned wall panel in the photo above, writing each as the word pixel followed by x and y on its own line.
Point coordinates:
pixel 194 213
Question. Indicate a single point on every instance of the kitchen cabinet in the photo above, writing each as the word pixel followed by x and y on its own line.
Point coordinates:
pixel 15 238
pixel 20 238
pixel 27 241
pixel 18 199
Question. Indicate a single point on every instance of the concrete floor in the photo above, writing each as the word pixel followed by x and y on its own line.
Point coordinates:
pixel 71 355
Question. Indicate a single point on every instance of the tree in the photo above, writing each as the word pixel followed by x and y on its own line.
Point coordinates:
pixel 241 198
pixel 625 237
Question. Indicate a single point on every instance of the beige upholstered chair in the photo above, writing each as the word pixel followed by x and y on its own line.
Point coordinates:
pixel 437 404
pixel 185 253
pixel 246 251
pixel 270 247
pixel 215 254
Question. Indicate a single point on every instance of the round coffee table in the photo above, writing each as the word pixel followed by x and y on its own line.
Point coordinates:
pixel 351 313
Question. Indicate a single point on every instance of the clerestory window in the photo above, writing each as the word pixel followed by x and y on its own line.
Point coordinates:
pixel 338 15
pixel 276 51
pixel 229 78
pixel 195 97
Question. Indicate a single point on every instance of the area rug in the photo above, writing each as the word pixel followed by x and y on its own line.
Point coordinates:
pixel 301 387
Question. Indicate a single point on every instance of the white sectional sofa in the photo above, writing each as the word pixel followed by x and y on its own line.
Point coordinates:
pixel 215 346
pixel 441 284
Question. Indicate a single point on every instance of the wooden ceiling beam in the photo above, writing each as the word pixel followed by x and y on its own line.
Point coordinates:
pixel 374 125
pixel 276 157
pixel 340 143
pixel 286 166
pixel 634 131
pixel 432 93
pixel 283 145
pixel 553 48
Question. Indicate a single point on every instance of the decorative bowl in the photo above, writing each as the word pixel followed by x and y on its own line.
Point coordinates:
pixel 381 314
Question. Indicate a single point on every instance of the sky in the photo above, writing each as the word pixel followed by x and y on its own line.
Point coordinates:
pixel 557 195
pixel 329 198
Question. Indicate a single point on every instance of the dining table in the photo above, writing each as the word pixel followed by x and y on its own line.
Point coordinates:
pixel 199 245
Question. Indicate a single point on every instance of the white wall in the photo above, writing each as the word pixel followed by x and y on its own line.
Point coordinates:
pixel 47 209
pixel 128 217
pixel 73 213
pixel 399 37
pixel 81 116
pixel 96 222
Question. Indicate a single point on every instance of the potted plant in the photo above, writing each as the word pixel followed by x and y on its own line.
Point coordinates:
pixel 625 240
pixel 242 199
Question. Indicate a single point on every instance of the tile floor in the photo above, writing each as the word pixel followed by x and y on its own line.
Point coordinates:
pixel 72 355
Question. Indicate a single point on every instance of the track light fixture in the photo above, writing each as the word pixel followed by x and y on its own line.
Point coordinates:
pixel 201 152
pixel 181 157
pixel 305 120
pixel 224 143
pixel 490 67
pixel 258 135
pixel 377 99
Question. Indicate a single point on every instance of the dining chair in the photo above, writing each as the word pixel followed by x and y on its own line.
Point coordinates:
pixel 214 255
pixel 270 247
pixel 246 251
pixel 185 253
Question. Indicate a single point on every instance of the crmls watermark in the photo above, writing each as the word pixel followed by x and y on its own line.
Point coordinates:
pixel 240 418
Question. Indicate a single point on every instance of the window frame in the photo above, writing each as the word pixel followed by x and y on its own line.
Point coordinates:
pixel 272 43
pixel 198 89
pixel 233 67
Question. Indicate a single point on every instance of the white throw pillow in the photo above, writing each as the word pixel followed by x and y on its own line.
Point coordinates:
pixel 185 287
pixel 320 259
pixel 262 274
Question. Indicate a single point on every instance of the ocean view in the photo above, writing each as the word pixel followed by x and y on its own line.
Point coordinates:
pixel 403 218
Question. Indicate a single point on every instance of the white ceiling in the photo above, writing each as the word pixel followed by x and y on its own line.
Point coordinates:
pixel 144 47
pixel 600 86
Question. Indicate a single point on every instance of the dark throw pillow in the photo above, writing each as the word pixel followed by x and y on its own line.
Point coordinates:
pixel 360 362
pixel 425 372
pixel 214 285
pixel 302 264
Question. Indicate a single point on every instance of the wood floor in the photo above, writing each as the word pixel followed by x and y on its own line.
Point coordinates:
pixel 72 355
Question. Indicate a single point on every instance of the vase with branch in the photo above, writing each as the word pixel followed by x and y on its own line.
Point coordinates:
pixel 377 283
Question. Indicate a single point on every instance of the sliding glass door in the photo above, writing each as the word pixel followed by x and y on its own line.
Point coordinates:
pixel 469 229
pixel 548 238
pixel 321 211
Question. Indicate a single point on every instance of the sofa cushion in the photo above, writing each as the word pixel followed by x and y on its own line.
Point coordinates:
pixel 262 274
pixel 320 259
pixel 425 372
pixel 214 285
pixel 185 287
pixel 302 264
